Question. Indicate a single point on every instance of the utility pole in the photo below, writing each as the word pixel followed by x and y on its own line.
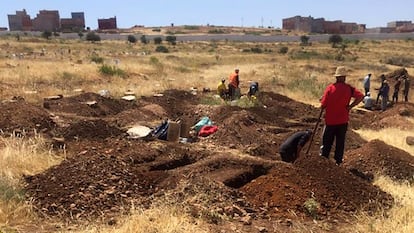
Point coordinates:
pixel 241 21
pixel 262 21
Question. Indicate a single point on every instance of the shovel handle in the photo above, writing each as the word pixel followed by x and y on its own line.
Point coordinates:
pixel 314 130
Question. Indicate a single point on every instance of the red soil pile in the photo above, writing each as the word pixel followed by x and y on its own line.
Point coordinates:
pixel 22 116
pixel 288 186
pixel 93 129
pixel 376 157
pixel 79 105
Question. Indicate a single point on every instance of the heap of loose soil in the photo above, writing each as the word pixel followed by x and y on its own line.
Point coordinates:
pixel 79 105
pixel 288 187
pixel 97 181
pixel 94 129
pixel 22 116
pixel 378 158
pixel 394 117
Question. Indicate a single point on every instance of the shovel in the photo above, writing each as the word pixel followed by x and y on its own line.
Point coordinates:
pixel 314 131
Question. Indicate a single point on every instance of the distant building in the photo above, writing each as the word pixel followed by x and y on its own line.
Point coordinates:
pixel 395 24
pixel 381 30
pixel 47 20
pixel 74 24
pixel 320 25
pixel 105 24
pixel 20 21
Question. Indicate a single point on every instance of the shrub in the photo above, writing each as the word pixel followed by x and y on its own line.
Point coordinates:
pixel 111 70
pixel 156 29
pixel 283 50
pixel 157 40
pixel 334 40
pixel 216 31
pixel 312 207
pixel 191 27
pixel 80 34
pixel 47 34
pixel 143 39
pixel 97 59
pixel 161 49
pixel 171 39
pixel 304 40
pixel 132 39
pixel 400 61
pixel 256 50
pixel 92 36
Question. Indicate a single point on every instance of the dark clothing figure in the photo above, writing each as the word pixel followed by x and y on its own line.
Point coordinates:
pixel 379 89
pixel 232 92
pixel 406 88
pixel 396 91
pixel 253 89
pixel 290 149
pixel 329 133
pixel 385 90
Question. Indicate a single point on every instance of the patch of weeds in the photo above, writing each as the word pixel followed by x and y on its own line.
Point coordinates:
pixel 191 27
pixel 312 207
pixel 9 193
pixel 211 100
pixel 283 50
pixel 97 59
pixel 308 85
pixel 111 70
pixel 161 49
pixel 307 55
pixel 400 61
pixel 183 69
pixel 216 31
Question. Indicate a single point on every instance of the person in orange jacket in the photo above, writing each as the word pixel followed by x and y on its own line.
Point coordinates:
pixel 233 84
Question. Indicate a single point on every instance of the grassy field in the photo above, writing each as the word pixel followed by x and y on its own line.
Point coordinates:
pixel 35 68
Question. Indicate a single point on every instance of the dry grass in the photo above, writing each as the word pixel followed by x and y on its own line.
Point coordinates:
pixel 155 220
pixel 391 136
pixel 195 64
pixel 18 157
pixel 399 219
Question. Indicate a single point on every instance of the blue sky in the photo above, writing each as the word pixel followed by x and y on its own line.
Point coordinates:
pixel 373 13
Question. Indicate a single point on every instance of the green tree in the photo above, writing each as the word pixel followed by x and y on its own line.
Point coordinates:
pixel 80 34
pixel 157 40
pixel 304 40
pixel 92 36
pixel 132 39
pixel 143 39
pixel 47 34
pixel 335 40
pixel 171 39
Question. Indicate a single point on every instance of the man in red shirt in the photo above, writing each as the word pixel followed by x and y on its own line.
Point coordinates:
pixel 335 101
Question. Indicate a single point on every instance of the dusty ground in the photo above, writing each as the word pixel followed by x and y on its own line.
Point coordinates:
pixel 105 173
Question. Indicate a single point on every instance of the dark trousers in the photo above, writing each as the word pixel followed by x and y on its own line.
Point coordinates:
pixel 330 133
pixel 395 97
pixel 232 92
pixel 366 91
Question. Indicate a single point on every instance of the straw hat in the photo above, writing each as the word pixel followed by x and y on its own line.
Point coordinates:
pixel 340 71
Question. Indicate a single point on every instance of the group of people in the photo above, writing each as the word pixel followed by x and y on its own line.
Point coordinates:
pixel 335 102
pixel 384 90
pixel 232 90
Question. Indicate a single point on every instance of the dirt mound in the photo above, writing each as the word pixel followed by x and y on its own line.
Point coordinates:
pixel 177 103
pixel 146 113
pixel 22 116
pixel 395 117
pixel 376 157
pixel 94 129
pixel 289 186
pixel 88 104
pixel 103 178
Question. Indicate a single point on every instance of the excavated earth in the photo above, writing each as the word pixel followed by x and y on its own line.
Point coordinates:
pixel 235 174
